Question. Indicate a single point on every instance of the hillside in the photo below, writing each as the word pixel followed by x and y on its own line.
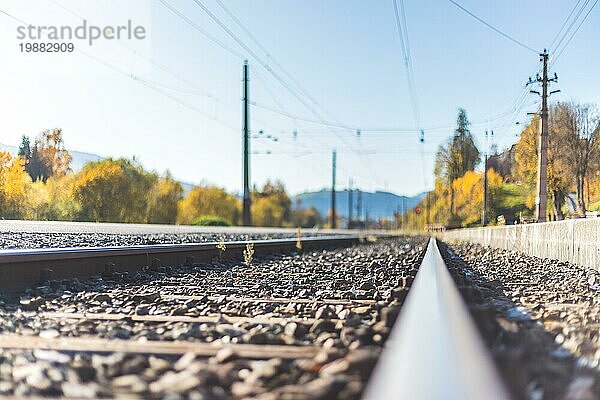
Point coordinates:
pixel 377 204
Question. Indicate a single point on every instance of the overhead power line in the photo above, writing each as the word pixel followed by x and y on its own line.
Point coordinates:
pixel 268 54
pixel 201 30
pixel 405 45
pixel 282 81
pixel 565 33
pixel 498 31
pixel 574 33
pixel 564 24
pixel 143 82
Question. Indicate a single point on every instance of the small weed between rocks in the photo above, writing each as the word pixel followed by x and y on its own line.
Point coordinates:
pixel 299 238
pixel 221 247
pixel 248 253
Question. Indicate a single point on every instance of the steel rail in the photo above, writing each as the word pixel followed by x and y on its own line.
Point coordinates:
pixel 434 350
pixel 23 268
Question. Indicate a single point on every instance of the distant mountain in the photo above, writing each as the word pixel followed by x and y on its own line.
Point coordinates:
pixel 79 158
pixel 377 204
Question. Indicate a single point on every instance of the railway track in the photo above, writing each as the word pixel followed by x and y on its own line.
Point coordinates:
pixel 269 319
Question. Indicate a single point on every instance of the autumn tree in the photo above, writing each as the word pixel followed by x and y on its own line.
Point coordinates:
pixel 52 200
pixel 163 200
pixel 469 195
pixel 572 153
pixel 51 149
pixel 579 125
pixel 526 155
pixel 307 217
pixel 271 206
pixel 457 156
pixel 113 191
pixel 14 185
pixel 47 157
pixel 208 200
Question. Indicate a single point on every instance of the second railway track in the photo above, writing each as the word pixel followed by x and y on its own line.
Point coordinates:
pixel 197 322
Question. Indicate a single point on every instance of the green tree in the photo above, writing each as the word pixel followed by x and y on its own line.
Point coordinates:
pixel 34 165
pixel 25 148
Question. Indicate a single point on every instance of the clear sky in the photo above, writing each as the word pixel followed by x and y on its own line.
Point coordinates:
pixel 345 54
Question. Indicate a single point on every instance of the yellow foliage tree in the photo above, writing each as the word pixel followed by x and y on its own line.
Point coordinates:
pixel 208 200
pixel 14 185
pixel 468 201
pixel 267 211
pixel 469 194
pixel 163 199
pixel 113 191
pixel 53 200
pixel 271 206
pixel 526 155
pixel 48 156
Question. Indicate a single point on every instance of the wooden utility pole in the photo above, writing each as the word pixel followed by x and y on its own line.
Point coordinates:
pixel 485 182
pixel 404 215
pixel 350 196
pixel 332 222
pixel 359 206
pixel 246 216
pixel 542 165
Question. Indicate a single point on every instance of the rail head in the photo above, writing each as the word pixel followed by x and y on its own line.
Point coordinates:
pixel 11 256
pixel 434 350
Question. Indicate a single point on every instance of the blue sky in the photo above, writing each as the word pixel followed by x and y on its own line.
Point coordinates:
pixel 344 53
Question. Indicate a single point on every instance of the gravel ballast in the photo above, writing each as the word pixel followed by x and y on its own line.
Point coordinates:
pixel 23 240
pixel 356 295
pixel 540 318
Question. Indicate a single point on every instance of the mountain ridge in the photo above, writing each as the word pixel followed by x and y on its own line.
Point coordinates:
pixel 377 204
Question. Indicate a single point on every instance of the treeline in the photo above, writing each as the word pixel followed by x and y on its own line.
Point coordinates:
pixel 38 184
pixel 573 173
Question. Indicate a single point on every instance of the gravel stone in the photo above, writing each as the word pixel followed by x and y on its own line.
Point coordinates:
pixel 538 316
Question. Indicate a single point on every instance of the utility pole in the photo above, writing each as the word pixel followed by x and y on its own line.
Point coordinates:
pixel 359 206
pixel 246 216
pixel 332 222
pixel 403 211
pixel 485 182
pixel 350 203
pixel 542 165
pixel 428 210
